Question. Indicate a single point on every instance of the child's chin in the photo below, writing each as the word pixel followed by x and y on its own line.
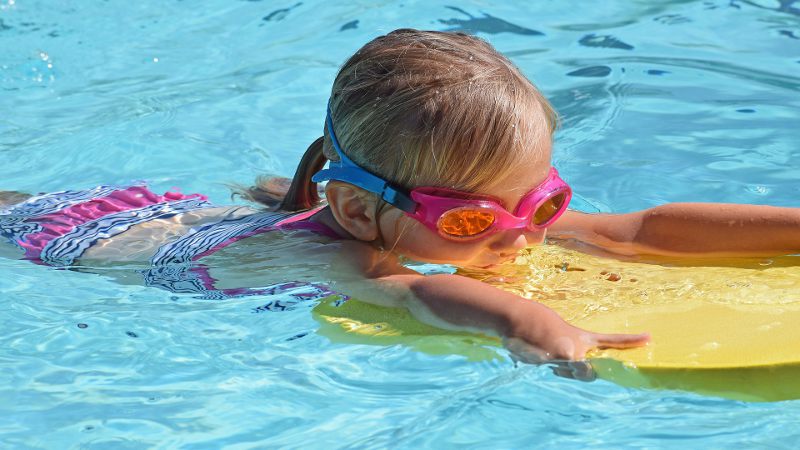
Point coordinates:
pixel 484 267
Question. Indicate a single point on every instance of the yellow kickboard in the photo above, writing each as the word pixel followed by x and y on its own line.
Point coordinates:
pixel 706 336
pixel 745 352
pixel 729 328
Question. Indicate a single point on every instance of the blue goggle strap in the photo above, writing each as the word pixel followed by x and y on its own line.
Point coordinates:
pixel 348 171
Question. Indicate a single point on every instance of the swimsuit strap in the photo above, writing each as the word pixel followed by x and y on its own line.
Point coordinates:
pixel 300 222
pixel 213 236
pixel 174 266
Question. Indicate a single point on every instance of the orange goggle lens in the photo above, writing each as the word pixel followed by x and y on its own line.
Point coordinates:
pixel 465 222
pixel 470 222
pixel 548 209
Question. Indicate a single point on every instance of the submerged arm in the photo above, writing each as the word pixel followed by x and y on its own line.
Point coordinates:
pixel 679 229
pixel 530 329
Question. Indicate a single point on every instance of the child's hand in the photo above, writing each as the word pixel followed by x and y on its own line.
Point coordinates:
pixel 555 339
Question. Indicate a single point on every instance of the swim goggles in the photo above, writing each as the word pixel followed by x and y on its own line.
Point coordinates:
pixel 455 215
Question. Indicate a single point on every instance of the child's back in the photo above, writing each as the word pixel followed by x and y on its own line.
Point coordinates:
pixel 166 236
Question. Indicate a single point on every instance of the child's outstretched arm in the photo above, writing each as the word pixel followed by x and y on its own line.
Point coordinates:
pixel 680 229
pixel 532 331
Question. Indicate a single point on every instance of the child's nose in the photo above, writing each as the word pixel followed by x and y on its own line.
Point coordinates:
pixel 535 237
pixel 513 241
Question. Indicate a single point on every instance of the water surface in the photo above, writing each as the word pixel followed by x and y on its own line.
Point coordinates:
pixel 661 101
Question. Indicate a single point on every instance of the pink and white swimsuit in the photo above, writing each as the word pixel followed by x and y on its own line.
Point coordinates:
pixel 57 228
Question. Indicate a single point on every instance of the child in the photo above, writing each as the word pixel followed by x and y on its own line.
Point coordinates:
pixel 439 151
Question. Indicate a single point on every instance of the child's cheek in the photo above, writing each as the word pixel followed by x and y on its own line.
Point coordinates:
pixel 414 240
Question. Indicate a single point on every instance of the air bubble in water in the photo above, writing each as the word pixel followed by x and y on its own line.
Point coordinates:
pixel 758 189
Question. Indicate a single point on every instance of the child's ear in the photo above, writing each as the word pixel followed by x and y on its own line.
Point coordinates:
pixel 354 210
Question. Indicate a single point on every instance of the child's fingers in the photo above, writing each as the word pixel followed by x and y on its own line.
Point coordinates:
pixel 522 351
pixel 577 370
pixel 621 340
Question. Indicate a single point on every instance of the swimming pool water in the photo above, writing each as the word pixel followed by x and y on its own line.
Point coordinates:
pixel 661 101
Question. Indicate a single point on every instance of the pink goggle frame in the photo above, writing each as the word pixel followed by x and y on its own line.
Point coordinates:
pixel 461 216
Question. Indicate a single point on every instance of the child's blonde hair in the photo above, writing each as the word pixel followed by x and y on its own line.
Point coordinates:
pixel 424 108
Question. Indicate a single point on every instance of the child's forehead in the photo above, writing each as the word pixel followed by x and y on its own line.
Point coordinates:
pixel 524 176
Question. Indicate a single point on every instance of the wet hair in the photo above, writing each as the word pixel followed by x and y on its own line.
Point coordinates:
pixel 424 108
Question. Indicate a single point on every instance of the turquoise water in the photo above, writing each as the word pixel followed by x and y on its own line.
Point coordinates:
pixel 662 101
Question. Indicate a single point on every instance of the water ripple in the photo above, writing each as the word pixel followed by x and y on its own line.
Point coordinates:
pixel 747 73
